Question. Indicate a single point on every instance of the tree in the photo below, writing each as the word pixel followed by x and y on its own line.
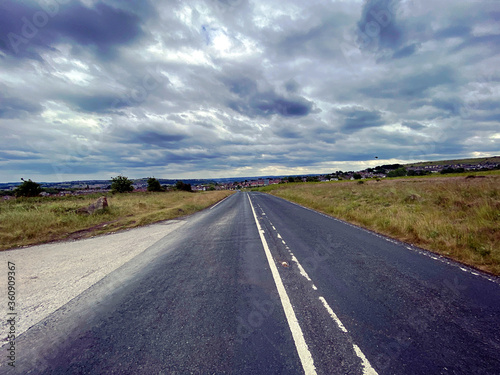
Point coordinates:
pixel 357 176
pixel 182 186
pixel 452 170
pixel 121 184
pixel 154 184
pixel 400 172
pixel 28 189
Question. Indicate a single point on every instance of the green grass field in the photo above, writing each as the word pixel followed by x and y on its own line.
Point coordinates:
pixel 452 216
pixel 31 221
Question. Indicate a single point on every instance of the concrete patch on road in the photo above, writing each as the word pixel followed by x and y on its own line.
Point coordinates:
pixel 49 276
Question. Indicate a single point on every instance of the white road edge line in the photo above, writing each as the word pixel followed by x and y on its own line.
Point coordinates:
pixel 367 367
pixel 298 337
pixel 219 202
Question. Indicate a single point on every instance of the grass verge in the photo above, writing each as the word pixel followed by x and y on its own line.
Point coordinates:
pixel 457 217
pixel 32 221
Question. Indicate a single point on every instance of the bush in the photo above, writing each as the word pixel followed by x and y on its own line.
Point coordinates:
pixel 28 189
pixel 400 172
pixel 154 184
pixel 182 186
pixel 452 170
pixel 121 184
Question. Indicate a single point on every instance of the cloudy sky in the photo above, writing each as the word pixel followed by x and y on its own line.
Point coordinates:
pixel 219 88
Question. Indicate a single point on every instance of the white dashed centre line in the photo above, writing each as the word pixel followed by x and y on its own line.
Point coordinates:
pixel 367 368
pixel 298 337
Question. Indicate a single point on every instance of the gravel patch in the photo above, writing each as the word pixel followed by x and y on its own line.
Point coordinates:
pixel 48 276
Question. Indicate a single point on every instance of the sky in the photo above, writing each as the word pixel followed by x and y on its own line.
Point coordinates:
pixel 226 88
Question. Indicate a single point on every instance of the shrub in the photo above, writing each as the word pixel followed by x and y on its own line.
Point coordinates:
pixel 28 189
pixel 400 172
pixel 121 184
pixel 182 186
pixel 154 184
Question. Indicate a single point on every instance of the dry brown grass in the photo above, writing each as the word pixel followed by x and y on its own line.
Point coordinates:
pixel 32 221
pixel 452 216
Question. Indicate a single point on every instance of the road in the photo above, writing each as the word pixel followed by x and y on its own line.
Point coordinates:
pixel 259 285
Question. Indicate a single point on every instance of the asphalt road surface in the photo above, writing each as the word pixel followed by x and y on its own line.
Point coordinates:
pixel 258 285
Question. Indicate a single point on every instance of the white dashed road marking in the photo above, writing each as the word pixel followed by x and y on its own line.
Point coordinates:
pixel 298 337
pixel 367 368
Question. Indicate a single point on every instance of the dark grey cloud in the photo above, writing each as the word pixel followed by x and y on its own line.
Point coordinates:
pixel 312 38
pixel 357 118
pixel 253 102
pixel 463 26
pixel 292 86
pixel 46 168
pixel 157 139
pixel 405 51
pixel 267 104
pixel 413 85
pixel 11 107
pixel 150 135
pixel 489 41
pixel 415 125
pixel 27 28
pixel 452 106
pixel 454 31
pixel 493 117
pixel 288 132
pixel 96 103
pixel 243 87
pixel 8 155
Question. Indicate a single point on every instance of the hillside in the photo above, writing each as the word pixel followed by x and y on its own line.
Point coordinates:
pixel 473 161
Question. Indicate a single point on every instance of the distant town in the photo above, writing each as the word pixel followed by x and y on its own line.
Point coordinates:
pixel 7 190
